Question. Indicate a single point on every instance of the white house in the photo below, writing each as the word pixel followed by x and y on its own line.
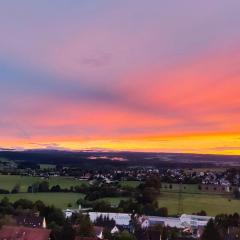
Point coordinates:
pixel 68 213
pixel 144 222
pixel 115 230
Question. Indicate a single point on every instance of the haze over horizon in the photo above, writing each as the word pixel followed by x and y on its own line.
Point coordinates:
pixel 124 75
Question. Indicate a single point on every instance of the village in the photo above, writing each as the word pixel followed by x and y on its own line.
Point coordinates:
pixel 106 225
pixel 226 178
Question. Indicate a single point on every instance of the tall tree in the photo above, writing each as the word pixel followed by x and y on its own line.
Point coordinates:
pixel 85 226
pixel 211 232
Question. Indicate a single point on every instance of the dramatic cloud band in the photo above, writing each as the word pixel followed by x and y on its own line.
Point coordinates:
pixel 134 75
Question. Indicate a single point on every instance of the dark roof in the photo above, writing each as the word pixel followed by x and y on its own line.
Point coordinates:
pixel 23 233
pixel 186 238
pixel 98 230
pixel 121 228
pixel 232 234
pixel 85 238
pixel 148 235
pixel 30 221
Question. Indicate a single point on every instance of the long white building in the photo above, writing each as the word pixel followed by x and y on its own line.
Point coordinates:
pixel 182 222
pixel 122 219
pixel 194 220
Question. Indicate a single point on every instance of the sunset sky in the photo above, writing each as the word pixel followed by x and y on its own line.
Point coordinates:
pixel 124 75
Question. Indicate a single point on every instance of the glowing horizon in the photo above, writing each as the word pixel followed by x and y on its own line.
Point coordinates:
pixel 129 75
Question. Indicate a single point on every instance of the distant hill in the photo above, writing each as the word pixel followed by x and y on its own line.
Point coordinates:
pixel 124 159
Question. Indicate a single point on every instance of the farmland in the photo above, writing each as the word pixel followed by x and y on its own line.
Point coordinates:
pixel 192 203
pixel 132 184
pixel 193 200
pixel 8 182
pixel 60 200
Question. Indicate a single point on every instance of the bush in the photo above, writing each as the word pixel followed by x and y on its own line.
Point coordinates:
pixel 3 191
pixel 24 203
pixel 16 189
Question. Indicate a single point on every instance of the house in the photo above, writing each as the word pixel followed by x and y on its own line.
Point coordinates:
pixel 98 232
pixel 31 221
pixel 115 230
pixel 24 233
pixel 144 222
pixel 68 213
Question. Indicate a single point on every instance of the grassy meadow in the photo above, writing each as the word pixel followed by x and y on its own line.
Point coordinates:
pixel 213 204
pixel 60 200
pixel 132 184
pixel 193 199
pixel 9 181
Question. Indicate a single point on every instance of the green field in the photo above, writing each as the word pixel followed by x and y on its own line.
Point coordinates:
pixel 186 188
pixel 114 201
pixel 8 182
pixel 132 184
pixel 192 199
pixel 192 203
pixel 167 187
pixel 60 200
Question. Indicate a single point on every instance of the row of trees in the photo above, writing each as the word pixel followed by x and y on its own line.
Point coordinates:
pixel 27 207
pixel 143 200
pixel 15 189
pixel 61 228
pixel 45 187
pixel 220 227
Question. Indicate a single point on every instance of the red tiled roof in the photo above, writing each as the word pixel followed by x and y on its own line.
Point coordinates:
pixel 23 233
pixel 30 221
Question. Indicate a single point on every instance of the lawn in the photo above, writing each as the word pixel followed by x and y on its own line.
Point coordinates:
pixel 9 181
pixel 114 201
pixel 60 200
pixel 192 203
pixel 132 184
pixel 193 200
pixel 186 188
